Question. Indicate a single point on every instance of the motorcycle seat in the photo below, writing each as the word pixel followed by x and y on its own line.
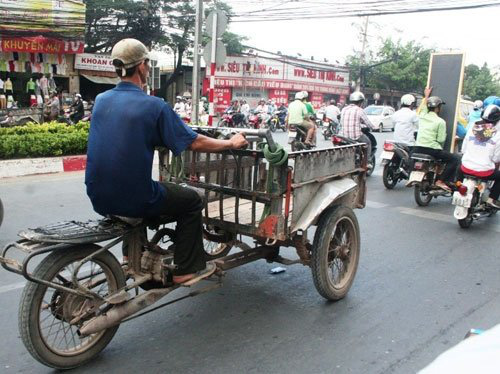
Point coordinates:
pixel 422 157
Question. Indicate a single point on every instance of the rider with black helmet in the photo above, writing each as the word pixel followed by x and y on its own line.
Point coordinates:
pixel 481 151
pixel 432 136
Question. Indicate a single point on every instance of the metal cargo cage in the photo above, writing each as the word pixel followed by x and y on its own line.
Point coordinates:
pixel 245 194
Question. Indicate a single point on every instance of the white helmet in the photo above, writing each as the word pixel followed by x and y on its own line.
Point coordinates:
pixel 299 96
pixel 478 104
pixel 305 95
pixel 356 96
pixel 407 100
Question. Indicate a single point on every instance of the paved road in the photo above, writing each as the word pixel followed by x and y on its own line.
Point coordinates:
pixel 422 283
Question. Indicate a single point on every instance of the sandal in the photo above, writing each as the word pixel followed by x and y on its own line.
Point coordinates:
pixel 200 275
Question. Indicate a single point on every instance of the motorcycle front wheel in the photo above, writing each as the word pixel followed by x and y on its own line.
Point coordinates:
pixel 45 313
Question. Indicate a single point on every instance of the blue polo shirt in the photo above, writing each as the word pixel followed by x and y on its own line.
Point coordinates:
pixel 126 127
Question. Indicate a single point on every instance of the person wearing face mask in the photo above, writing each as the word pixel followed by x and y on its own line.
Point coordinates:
pixel 126 126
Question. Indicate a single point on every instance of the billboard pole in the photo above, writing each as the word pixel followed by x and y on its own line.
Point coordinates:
pixel 211 92
pixel 196 64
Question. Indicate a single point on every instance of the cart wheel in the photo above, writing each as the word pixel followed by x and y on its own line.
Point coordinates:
pixel 216 244
pixel 45 313
pixel 335 253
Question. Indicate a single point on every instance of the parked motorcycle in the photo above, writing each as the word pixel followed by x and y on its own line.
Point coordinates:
pixel 470 200
pixel 423 177
pixel 277 122
pixel 343 140
pixel 396 162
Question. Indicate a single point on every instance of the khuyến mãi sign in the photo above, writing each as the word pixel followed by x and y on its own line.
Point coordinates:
pixel 40 44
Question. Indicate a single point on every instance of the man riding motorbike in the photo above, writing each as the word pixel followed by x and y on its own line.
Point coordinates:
pixel 352 119
pixel 297 116
pixel 332 112
pixel 405 121
pixel 311 115
pixel 481 151
pixel 126 127
pixel 432 136
pixel 77 109
pixel 262 110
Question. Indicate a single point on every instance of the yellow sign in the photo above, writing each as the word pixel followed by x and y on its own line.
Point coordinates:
pixel 64 18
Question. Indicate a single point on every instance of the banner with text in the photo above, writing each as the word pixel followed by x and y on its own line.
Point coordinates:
pixel 284 73
pixel 94 62
pixel 40 44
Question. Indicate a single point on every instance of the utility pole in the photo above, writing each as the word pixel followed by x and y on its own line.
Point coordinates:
pixel 196 64
pixel 362 57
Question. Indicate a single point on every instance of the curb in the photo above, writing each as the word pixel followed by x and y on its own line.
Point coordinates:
pixel 30 166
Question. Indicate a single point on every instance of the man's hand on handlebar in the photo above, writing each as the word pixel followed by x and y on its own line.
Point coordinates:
pixel 238 141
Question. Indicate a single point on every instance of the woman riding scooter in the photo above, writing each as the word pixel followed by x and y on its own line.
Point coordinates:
pixel 481 152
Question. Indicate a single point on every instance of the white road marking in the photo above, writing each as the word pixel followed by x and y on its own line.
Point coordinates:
pixel 11 287
pixel 443 218
pixel 375 204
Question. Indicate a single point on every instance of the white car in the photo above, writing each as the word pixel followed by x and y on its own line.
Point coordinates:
pixel 380 116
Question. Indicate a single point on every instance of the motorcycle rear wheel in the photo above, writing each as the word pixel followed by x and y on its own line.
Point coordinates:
pixel 388 176
pixel 466 222
pixel 422 198
pixel 45 312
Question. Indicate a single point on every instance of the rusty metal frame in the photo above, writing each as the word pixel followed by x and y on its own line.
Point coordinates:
pixel 242 174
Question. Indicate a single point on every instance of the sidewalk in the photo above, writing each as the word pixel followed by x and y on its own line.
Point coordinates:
pixel 32 166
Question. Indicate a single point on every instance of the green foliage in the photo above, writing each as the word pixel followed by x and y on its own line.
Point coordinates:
pixel 479 83
pixel 108 21
pixel 43 140
pixel 394 66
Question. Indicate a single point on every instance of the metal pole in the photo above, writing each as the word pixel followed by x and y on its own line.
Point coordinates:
pixel 362 57
pixel 195 95
pixel 211 96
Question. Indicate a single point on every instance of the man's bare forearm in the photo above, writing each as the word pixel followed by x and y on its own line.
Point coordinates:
pixel 203 143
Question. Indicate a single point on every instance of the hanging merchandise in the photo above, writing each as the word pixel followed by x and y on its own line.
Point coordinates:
pixel 33 101
pixel 10 101
pixel 3 101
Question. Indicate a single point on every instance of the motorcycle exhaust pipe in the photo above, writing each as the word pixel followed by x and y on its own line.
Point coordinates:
pixel 480 215
pixel 119 312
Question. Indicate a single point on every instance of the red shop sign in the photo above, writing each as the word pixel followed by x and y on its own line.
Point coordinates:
pixel 41 44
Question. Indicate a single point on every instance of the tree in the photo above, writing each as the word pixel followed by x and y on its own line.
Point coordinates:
pixel 479 83
pixel 394 66
pixel 157 23
pixel 108 21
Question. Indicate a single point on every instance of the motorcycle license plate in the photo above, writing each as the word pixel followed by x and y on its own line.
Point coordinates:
pixel 291 136
pixel 461 200
pixel 416 176
pixel 387 155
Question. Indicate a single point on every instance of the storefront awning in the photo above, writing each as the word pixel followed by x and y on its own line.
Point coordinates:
pixel 101 80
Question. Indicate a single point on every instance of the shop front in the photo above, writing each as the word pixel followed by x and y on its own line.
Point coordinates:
pixel 32 67
pixel 255 78
pixel 96 74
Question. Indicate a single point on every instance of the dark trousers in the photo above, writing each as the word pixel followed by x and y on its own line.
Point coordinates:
pixel 185 206
pixel 452 161
pixel 495 189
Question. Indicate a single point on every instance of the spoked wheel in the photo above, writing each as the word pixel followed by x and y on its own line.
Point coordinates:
pixel 216 244
pixel 421 193
pixel 389 176
pixel 335 253
pixel 45 313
